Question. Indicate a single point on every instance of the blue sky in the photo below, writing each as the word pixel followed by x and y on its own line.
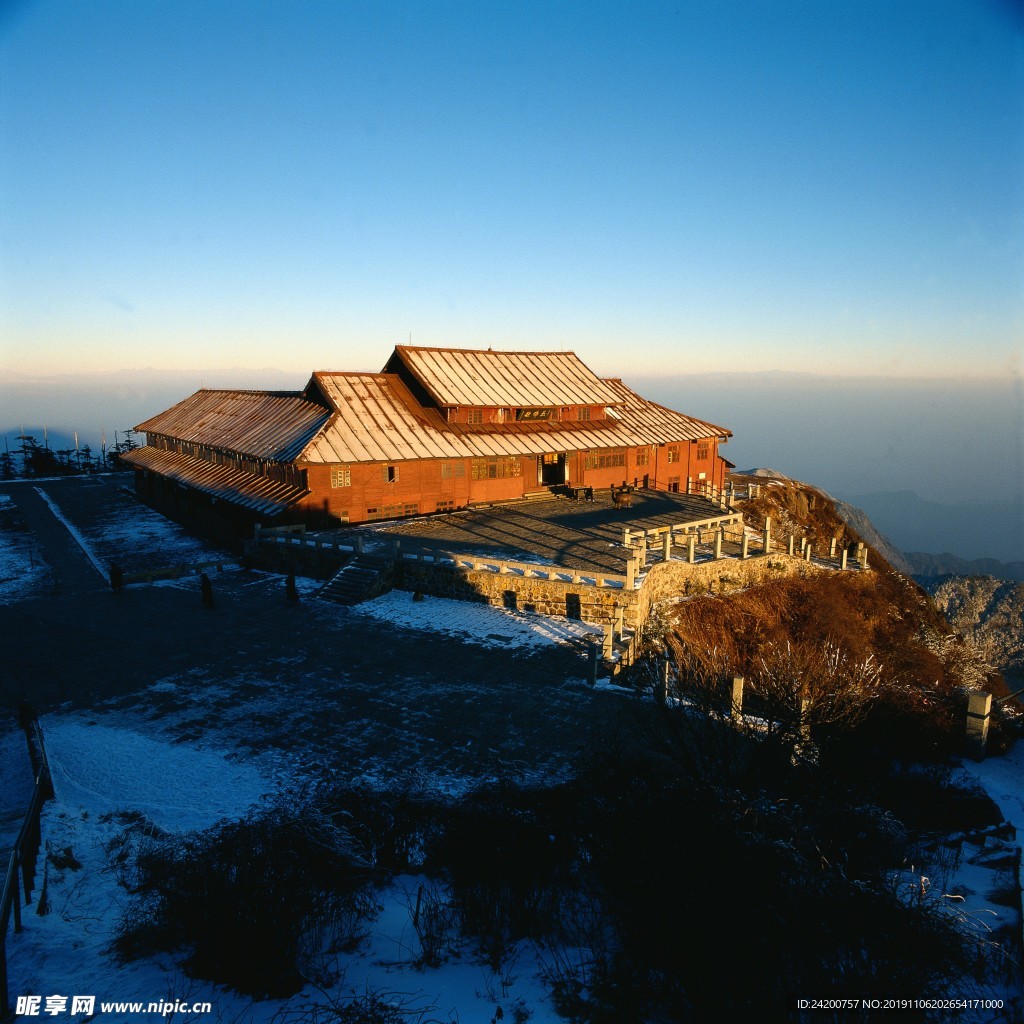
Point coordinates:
pixel 663 187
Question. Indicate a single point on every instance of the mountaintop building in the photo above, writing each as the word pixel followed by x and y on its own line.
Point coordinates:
pixel 437 429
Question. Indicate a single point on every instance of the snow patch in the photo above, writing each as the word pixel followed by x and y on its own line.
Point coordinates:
pixel 103 769
pixel 476 623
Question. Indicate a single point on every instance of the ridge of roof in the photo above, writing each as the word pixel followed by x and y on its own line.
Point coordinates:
pixel 484 351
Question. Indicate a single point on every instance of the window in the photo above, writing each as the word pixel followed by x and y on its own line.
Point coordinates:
pixel 496 469
pixel 475 416
pixel 583 412
pixel 643 456
pixel 341 477
pixel 606 460
pixel 409 508
pixel 673 453
pixel 702 449
pixel 390 474
pixel 450 469
pixel 533 414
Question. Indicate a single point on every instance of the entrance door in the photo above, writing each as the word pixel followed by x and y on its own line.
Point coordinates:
pixel 552 470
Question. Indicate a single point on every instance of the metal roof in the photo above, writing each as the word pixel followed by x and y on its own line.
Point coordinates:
pixel 377 419
pixel 482 377
pixel 272 425
pixel 257 493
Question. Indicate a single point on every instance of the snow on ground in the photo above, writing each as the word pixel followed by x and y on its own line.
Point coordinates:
pixel 22 569
pixel 101 775
pixel 143 533
pixel 101 769
pixel 475 623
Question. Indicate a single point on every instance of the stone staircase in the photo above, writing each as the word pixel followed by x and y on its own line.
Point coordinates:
pixel 362 577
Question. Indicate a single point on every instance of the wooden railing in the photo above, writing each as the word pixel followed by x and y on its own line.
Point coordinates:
pixel 21 868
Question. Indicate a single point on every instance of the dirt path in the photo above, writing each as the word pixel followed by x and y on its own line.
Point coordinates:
pixel 73 572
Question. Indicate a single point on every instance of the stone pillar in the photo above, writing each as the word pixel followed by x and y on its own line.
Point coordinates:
pixel 792 543
pixel 767 534
pixel 732 493
pixel 803 545
pixel 736 698
pixel 664 679
pixel 620 623
pixel 864 558
pixel 630 571
pixel 666 545
pixel 744 545
pixel 608 645
pixel 979 710
pixel 719 533
pixel 842 558
pixel 627 537
pixel 807 552
pixel 832 548
pixel 691 548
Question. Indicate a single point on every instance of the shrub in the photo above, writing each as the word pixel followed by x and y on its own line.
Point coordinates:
pixel 258 901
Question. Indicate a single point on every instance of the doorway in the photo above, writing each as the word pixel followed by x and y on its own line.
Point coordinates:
pixel 552 470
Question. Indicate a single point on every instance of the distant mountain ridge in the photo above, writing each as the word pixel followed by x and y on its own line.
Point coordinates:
pixel 927 566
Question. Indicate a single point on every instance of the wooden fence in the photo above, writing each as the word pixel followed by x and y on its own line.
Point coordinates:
pixel 21 869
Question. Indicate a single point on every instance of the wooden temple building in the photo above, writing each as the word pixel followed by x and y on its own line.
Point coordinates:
pixel 437 429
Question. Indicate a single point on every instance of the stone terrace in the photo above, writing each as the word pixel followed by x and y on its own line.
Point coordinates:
pixel 580 535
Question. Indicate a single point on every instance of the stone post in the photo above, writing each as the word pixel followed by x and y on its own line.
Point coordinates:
pixel 620 623
pixel 832 548
pixel 792 543
pixel 767 534
pixel 719 534
pixel 736 698
pixel 979 710
pixel 630 571
pixel 608 645
pixel 744 545
pixel 864 557
pixel 664 679
pixel 808 551
pixel 666 545
pixel 627 537
pixel 732 493
pixel 842 558
pixel 803 545
pixel 691 548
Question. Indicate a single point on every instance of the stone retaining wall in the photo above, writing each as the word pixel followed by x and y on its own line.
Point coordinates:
pixel 546 597
pixel 665 580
